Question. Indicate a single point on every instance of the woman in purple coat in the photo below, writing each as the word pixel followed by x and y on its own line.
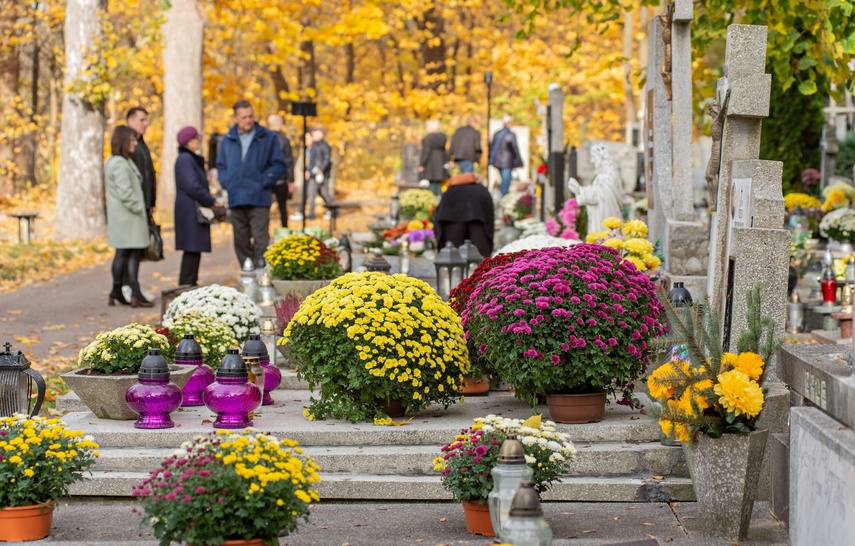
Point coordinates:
pixel 191 187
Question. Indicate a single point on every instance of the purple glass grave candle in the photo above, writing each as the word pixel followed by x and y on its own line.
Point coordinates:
pixel 154 397
pixel 189 353
pixel 272 376
pixel 232 397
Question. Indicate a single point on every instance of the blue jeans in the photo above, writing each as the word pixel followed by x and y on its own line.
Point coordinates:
pixel 466 166
pixel 505 186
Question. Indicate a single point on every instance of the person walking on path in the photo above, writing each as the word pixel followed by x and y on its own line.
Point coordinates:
pixel 319 172
pixel 191 191
pixel 137 119
pixel 465 148
pixel 433 159
pixel 505 154
pixel 127 217
pixel 284 187
pixel 249 163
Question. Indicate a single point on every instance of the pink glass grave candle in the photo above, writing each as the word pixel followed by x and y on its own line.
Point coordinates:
pixel 255 347
pixel 232 397
pixel 189 353
pixel 154 397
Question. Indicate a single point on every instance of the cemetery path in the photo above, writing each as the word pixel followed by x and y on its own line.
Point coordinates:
pixel 52 321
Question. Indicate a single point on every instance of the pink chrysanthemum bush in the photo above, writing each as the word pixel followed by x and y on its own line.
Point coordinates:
pixel 565 320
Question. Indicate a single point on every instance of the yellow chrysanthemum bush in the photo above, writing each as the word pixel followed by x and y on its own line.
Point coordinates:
pixel 803 200
pixel 122 350
pixel 837 196
pixel 701 389
pixel 369 337
pixel 630 240
pixel 228 485
pixel 40 458
pixel 302 257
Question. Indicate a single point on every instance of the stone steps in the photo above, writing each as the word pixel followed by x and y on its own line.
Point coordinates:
pixel 618 459
pixel 354 486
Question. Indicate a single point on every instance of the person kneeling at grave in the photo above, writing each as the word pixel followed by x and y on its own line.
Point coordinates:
pixel 465 212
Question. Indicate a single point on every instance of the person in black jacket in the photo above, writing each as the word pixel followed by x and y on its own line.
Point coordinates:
pixel 191 188
pixel 137 119
pixel 284 187
pixel 319 172
pixel 505 154
pixel 465 149
pixel 433 159
pixel 465 212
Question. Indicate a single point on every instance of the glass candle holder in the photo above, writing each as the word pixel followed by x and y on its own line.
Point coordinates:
pixel 154 397
pixel 508 474
pixel 272 377
pixel 232 399
pixel 188 352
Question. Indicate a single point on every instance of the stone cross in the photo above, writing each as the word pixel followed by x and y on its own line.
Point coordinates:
pixel 747 104
pixel 668 153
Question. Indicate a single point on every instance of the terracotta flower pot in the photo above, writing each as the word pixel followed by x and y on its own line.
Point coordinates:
pixel 478 519
pixel 394 407
pixel 23 523
pixel 475 387
pixel 577 408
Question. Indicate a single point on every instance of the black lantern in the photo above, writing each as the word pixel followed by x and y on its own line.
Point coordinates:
pixel 345 254
pixel 449 270
pixel 377 263
pixel 470 255
pixel 16 384
pixel 395 209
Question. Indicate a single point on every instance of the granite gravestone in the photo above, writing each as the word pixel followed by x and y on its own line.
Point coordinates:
pixel 668 153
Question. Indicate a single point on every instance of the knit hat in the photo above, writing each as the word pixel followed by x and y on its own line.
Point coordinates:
pixel 187 134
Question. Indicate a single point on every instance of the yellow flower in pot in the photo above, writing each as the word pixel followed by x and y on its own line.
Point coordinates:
pixel 301 264
pixel 370 338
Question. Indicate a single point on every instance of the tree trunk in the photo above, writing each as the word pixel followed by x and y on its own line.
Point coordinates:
pixel 307 67
pixel 80 209
pixel 432 48
pixel 280 84
pixel 10 69
pixel 32 137
pixel 182 87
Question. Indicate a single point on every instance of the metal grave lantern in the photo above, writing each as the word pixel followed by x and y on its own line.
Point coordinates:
pixel 16 384
pixel 471 255
pixel 377 263
pixel 525 525
pixel 345 254
pixel 266 292
pixel 249 279
pixel 449 270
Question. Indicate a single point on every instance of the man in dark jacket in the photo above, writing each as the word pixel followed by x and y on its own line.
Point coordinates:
pixel 284 187
pixel 249 163
pixel 319 172
pixel 505 154
pixel 137 119
pixel 465 149
pixel 433 158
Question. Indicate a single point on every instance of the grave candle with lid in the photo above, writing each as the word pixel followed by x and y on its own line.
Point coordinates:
pixel 232 397
pixel 154 397
pixel 255 347
pixel 188 352
pixel 828 283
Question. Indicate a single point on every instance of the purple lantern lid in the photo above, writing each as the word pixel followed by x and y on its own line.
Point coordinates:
pixel 255 347
pixel 154 366
pixel 232 365
pixel 188 349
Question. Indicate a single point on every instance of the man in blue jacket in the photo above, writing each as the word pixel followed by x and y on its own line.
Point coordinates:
pixel 249 163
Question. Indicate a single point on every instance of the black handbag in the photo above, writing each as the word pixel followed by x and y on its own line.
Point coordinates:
pixel 154 252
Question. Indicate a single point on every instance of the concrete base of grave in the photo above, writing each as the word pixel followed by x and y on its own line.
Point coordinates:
pixel 618 459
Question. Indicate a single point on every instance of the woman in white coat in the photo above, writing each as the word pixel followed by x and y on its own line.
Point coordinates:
pixel 127 218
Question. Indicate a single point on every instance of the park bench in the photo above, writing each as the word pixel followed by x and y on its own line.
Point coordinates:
pixel 25 225
pixel 334 208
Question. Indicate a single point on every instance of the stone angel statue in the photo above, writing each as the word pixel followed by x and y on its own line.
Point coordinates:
pixel 604 196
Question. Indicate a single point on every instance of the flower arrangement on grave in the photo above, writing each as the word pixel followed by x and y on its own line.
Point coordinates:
pixel 213 335
pixel 703 389
pixel 524 206
pixel 629 239
pixel 837 196
pixel 417 204
pixel 564 223
pixel 302 257
pixel 839 225
pixel 415 232
pixel 535 242
pixel 511 208
pixel 466 462
pixel 810 177
pixel 40 458
pixel 223 302
pixel 121 351
pixel 369 337
pixel 229 485
pixel 803 200
pixel 564 321
pixel 459 299
pixel 285 310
